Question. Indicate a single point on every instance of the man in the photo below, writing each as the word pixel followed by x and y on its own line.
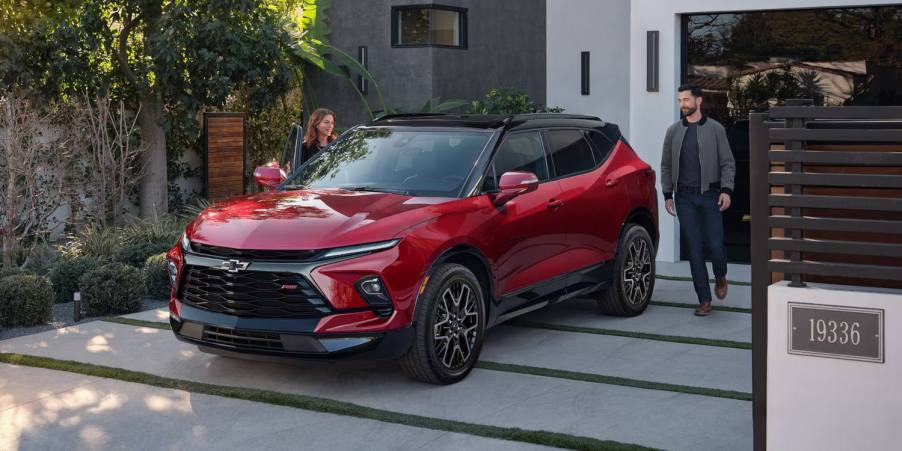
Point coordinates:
pixel 698 163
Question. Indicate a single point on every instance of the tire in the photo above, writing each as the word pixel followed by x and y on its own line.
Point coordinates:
pixel 448 335
pixel 633 277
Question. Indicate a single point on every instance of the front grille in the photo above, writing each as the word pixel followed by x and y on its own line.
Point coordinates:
pixel 243 338
pixel 252 293
pixel 228 253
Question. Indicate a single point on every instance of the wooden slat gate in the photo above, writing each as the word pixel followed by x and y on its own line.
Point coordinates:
pixel 225 155
pixel 826 206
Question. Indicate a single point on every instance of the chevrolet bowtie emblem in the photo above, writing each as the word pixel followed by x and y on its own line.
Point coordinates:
pixel 233 265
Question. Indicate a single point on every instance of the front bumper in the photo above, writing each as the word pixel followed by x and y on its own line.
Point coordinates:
pixel 281 338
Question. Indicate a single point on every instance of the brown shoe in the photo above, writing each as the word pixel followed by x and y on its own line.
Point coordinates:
pixel 704 309
pixel 720 287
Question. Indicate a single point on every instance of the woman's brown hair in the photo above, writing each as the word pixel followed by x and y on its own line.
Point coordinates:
pixel 315 118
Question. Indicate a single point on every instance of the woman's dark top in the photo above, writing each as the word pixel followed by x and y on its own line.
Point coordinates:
pixel 309 150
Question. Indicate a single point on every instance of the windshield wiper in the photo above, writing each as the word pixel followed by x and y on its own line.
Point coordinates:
pixel 376 189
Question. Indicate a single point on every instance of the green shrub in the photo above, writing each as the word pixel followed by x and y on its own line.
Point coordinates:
pixel 13 271
pixel 64 275
pixel 112 288
pixel 41 259
pixel 135 254
pixel 509 101
pixel 164 231
pixel 97 242
pixel 156 276
pixel 25 300
pixel 194 208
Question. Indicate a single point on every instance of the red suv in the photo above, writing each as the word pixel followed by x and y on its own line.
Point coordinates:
pixel 409 236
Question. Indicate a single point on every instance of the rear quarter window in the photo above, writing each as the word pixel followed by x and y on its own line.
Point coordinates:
pixel 601 146
pixel 570 152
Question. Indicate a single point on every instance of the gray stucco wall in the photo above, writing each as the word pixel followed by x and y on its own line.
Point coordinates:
pixel 506 48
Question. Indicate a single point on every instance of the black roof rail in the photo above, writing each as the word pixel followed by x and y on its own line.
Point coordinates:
pixel 523 116
pixel 399 115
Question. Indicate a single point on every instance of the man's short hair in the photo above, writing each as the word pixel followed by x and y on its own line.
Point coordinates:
pixel 692 88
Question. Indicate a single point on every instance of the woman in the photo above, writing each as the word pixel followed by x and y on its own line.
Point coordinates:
pixel 320 132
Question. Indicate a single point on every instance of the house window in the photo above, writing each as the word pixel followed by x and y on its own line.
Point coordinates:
pixel 429 25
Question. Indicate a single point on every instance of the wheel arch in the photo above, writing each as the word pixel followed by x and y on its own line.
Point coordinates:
pixel 475 261
pixel 641 216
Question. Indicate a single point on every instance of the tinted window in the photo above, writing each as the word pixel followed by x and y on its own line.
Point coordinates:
pixel 429 26
pixel 601 146
pixel 570 152
pixel 519 152
pixel 422 163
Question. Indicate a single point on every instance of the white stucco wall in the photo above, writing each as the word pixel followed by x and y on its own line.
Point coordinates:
pixel 600 27
pixel 818 403
pixel 607 28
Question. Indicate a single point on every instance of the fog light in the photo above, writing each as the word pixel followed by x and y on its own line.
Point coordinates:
pixel 374 288
pixel 375 293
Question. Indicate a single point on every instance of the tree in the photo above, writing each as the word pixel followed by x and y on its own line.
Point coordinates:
pixel 30 184
pixel 112 156
pixel 157 55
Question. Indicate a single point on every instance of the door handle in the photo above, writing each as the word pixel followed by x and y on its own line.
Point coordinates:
pixel 612 182
pixel 554 204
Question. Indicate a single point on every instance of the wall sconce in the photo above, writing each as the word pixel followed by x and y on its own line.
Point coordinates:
pixel 362 56
pixel 651 66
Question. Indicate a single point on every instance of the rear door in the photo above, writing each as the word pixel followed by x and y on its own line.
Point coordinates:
pixel 594 200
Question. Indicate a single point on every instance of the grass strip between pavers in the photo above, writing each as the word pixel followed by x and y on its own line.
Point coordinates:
pixel 546 372
pixel 323 405
pixel 536 325
pixel 137 322
pixel 612 380
pixel 689 279
pixel 722 308
pixel 640 335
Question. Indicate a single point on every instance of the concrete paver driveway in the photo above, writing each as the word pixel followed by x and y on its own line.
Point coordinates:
pixel 613 380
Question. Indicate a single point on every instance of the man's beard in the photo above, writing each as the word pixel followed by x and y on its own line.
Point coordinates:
pixel 688 111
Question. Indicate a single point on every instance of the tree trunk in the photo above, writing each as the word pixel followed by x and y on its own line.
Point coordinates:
pixel 7 252
pixel 154 184
pixel 7 230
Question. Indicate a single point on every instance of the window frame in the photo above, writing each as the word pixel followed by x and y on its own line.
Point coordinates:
pixel 548 151
pixel 490 168
pixel 596 151
pixel 462 23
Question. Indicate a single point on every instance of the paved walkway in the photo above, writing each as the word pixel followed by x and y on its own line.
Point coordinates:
pixel 52 410
pixel 565 369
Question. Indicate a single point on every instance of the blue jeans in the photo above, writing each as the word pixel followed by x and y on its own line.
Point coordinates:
pixel 702 223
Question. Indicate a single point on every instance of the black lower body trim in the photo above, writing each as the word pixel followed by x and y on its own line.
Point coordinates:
pixel 280 339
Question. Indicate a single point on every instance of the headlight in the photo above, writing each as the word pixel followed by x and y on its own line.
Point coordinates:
pixel 173 273
pixel 186 243
pixel 361 249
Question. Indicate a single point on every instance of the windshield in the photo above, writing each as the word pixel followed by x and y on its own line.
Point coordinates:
pixel 414 162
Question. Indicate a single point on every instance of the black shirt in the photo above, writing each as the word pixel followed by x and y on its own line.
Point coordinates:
pixel 690 174
pixel 309 150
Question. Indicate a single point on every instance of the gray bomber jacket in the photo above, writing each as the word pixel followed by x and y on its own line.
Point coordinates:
pixel 714 153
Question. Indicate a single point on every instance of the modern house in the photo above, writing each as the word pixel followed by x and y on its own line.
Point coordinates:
pixel 417 51
pixel 622 60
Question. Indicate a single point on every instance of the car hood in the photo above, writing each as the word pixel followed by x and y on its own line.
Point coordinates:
pixel 310 219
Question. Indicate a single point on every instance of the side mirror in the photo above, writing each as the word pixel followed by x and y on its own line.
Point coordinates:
pixel 513 184
pixel 269 175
